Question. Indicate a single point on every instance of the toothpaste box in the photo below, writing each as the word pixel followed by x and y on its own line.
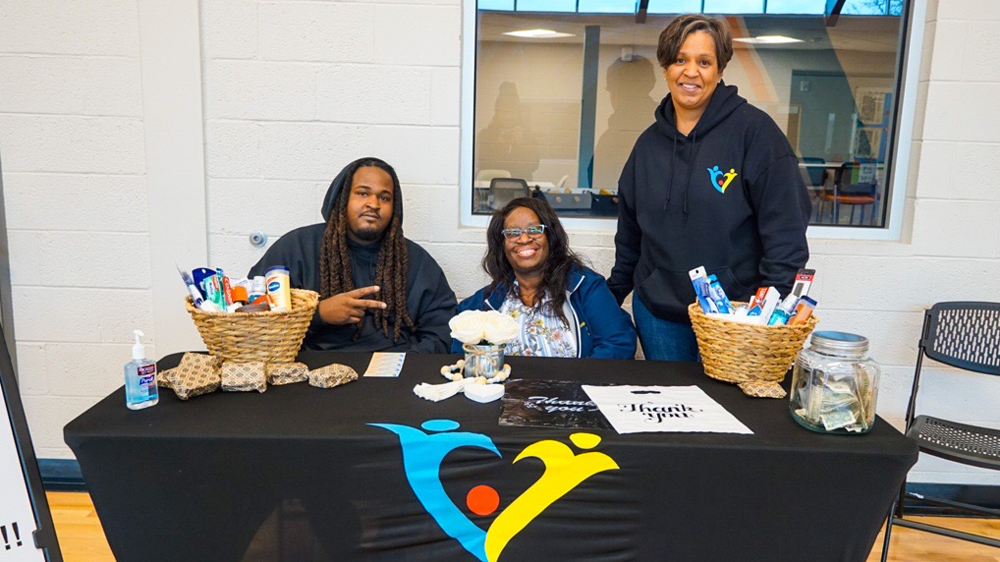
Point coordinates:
pixel 764 303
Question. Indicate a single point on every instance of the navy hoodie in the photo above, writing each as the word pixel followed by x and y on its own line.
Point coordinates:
pixel 429 299
pixel 728 196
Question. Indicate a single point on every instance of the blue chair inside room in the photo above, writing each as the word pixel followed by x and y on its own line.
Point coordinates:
pixel 847 191
pixel 965 335
pixel 816 172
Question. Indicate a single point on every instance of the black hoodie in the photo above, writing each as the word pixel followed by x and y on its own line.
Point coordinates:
pixel 429 299
pixel 728 196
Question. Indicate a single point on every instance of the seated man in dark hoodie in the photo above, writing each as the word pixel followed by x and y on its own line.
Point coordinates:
pixel 378 290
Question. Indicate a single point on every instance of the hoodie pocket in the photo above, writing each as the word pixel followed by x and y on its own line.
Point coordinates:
pixel 735 290
pixel 667 293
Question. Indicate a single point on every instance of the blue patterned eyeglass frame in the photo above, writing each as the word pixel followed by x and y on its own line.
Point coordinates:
pixel 533 231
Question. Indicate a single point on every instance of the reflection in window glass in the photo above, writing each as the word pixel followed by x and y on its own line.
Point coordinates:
pixel 674 6
pixel 607 6
pixel 546 5
pixel 865 7
pixel 734 6
pixel 815 7
pixel 504 5
pixel 560 113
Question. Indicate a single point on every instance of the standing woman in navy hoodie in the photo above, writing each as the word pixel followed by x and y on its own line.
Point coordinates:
pixel 712 182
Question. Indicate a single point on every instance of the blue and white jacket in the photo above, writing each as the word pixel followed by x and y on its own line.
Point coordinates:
pixel 603 330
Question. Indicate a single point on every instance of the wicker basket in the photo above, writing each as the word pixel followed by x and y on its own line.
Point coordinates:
pixel 736 353
pixel 273 337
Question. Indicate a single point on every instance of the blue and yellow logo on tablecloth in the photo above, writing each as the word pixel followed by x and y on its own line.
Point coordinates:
pixel 720 181
pixel 424 451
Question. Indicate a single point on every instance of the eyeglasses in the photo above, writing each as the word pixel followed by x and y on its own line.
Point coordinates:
pixel 533 231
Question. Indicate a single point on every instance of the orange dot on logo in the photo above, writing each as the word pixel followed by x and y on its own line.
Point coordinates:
pixel 720 182
pixel 482 500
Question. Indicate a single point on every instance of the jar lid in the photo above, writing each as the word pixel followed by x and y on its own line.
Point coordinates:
pixel 839 342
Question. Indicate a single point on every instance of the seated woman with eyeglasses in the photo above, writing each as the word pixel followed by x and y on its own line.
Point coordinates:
pixel 564 308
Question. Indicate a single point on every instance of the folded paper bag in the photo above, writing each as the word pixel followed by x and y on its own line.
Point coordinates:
pixel 196 374
pixel 200 361
pixel 332 375
pixel 762 389
pixel 244 377
pixel 163 378
pixel 287 373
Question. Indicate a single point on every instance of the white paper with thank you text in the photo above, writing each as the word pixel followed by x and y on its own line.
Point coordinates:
pixel 681 409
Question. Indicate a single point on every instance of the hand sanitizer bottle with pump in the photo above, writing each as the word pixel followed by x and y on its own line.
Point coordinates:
pixel 140 378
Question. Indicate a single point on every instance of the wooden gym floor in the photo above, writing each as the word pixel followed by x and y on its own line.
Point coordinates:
pixel 81 538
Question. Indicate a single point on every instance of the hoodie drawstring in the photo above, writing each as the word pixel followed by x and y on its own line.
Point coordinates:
pixel 687 182
pixel 670 184
pixel 691 161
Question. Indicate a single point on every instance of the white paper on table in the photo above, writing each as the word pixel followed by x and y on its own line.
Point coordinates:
pixel 681 409
pixel 385 365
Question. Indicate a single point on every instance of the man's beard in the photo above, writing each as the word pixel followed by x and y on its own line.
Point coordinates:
pixel 368 234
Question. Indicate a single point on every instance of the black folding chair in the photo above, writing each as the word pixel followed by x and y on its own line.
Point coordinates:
pixel 964 335
pixel 505 190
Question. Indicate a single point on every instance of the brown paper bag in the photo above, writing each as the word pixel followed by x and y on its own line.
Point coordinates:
pixel 332 375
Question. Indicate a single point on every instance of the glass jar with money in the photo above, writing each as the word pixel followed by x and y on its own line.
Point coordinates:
pixel 834 384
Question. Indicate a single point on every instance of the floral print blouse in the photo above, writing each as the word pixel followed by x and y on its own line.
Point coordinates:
pixel 541 335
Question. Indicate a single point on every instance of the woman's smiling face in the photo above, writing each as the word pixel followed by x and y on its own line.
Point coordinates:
pixel 526 254
pixel 693 76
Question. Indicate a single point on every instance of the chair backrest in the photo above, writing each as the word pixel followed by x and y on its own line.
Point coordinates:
pixel 487 175
pixel 844 178
pixel 505 190
pixel 964 335
pixel 815 173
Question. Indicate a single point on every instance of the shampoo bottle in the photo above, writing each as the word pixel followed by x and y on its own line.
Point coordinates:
pixel 140 378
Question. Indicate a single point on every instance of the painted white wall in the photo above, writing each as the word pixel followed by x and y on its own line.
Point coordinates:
pixel 293 90
pixel 74 165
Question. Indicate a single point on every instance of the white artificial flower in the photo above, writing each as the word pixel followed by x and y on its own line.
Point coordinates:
pixel 500 328
pixel 467 327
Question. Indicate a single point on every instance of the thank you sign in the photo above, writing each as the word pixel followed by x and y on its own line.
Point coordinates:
pixel 17 520
pixel 677 409
pixel 548 403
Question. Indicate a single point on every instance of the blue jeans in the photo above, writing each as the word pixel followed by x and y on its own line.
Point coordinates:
pixel 663 340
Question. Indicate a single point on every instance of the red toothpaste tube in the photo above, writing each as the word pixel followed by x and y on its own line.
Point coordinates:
pixel 227 290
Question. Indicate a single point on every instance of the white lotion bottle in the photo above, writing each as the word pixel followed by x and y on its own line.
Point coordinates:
pixel 140 378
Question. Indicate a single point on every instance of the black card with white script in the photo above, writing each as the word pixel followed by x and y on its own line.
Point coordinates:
pixel 546 403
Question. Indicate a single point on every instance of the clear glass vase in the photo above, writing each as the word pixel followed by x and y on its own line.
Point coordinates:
pixel 483 360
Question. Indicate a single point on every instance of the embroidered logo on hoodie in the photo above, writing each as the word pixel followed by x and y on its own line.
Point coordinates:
pixel 721 181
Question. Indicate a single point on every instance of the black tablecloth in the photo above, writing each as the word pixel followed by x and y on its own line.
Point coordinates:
pixel 297 473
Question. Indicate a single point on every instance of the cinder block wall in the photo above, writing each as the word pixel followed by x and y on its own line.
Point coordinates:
pixel 293 90
pixel 71 141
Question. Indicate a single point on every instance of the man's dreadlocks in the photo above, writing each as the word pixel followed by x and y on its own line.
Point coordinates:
pixel 391 268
